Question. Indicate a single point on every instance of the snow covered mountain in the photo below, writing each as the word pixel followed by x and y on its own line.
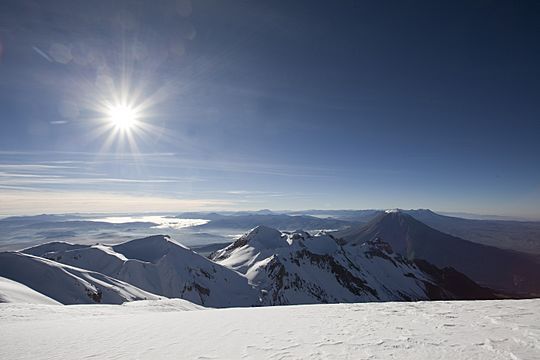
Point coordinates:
pixel 263 267
pixel 67 284
pixel 298 268
pixel 505 270
pixel 161 266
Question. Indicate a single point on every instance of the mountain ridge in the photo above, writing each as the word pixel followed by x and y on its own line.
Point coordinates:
pixel 490 266
pixel 162 266
pixel 311 269
pixel 264 266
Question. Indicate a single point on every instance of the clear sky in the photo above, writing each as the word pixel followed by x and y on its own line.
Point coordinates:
pixel 270 104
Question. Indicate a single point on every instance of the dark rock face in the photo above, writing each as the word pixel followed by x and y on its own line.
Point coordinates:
pixel 94 295
pixel 352 283
pixel 382 249
pixel 381 245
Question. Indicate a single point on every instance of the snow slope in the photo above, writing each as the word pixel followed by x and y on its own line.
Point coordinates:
pixel 14 292
pixel 67 284
pixel 161 266
pixel 257 244
pixel 491 330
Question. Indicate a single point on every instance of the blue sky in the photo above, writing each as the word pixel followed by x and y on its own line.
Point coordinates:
pixel 270 104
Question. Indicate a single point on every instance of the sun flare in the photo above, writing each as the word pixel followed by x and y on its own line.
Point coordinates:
pixel 123 117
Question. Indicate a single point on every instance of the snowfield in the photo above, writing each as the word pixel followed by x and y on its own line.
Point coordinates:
pixel 177 329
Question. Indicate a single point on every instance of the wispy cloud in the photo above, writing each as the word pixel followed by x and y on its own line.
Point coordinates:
pixel 164 162
pixel 85 154
pixel 106 182
pixel 75 172
pixel 33 167
pixel 14 187
pixel 10 179
pixel 262 194
pixel 42 53
pixel 29 202
pixel 247 192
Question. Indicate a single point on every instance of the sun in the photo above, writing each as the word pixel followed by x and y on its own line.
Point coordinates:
pixel 122 117
pixel 124 120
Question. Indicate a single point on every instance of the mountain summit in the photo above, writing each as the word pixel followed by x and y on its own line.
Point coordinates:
pixel 496 268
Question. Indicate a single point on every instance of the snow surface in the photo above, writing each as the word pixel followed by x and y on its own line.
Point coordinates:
pixel 14 292
pixel 320 244
pixel 503 329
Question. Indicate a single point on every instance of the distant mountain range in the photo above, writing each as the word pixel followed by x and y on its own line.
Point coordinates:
pixel 393 256
pixel 286 222
pixel 522 236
